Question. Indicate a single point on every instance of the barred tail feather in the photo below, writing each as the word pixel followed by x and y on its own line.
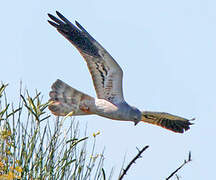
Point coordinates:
pixel 166 120
pixel 65 99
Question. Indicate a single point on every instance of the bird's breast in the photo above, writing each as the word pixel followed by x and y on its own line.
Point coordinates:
pixel 109 110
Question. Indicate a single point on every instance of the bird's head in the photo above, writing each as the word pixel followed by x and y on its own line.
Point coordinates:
pixel 136 115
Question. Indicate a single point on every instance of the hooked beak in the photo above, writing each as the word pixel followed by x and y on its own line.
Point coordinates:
pixel 135 123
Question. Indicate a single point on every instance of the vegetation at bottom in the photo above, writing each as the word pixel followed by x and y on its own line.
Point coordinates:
pixel 33 145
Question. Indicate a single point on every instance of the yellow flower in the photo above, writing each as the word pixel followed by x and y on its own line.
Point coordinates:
pixel 95 134
pixel 69 114
pixel 9 176
pixel 94 157
pixel 18 169
pixel 1 165
pixel 5 133
pixel 8 152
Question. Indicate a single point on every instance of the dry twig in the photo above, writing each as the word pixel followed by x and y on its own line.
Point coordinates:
pixel 185 162
pixel 133 161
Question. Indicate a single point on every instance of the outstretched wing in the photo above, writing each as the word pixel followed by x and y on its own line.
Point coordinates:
pixel 105 72
pixel 166 120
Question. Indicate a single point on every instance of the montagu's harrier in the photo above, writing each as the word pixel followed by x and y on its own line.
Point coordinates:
pixel 107 79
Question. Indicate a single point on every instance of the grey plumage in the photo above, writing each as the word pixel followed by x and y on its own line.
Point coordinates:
pixel 107 78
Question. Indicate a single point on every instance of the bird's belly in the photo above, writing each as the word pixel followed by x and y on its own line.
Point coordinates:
pixel 106 109
pixel 113 116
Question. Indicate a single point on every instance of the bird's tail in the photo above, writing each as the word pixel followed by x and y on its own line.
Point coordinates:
pixel 166 120
pixel 65 99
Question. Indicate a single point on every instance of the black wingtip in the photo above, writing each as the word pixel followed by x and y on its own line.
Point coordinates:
pixel 79 26
pixel 51 16
pixel 58 13
pixel 83 30
pixel 77 23
pixel 62 17
pixel 53 24
pixel 77 35
pixel 193 119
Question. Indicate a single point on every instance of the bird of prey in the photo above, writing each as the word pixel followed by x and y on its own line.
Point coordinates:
pixel 107 78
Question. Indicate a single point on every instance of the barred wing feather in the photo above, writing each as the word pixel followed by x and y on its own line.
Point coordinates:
pixel 105 71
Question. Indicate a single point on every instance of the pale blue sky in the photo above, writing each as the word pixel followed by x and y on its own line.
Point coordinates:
pixel 167 51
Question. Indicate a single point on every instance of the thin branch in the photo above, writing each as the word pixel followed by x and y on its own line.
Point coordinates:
pixel 133 161
pixel 177 177
pixel 185 162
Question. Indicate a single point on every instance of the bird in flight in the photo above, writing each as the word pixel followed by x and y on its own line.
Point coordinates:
pixel 107 78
